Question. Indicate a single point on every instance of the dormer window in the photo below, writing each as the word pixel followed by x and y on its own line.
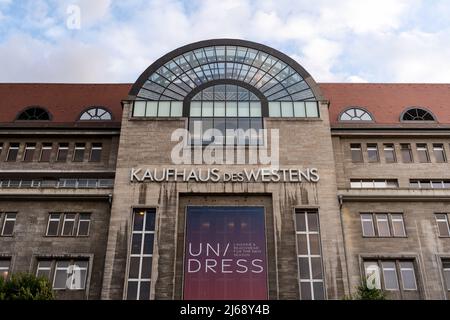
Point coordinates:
pixel 34 113
pixel 417 114
pixel 355 114
pixel 96 114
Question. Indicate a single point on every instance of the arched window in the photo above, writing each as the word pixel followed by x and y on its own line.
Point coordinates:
pixel 34 113
pixel 225 108
pixel 355 114
pixel 417 114
pixel 95 114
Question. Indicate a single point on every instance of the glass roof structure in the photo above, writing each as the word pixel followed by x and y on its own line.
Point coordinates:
pixel 184 70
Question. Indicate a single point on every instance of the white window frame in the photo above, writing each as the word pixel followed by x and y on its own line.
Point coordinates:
pixel 309 256
pixel 6 269
pixel 53 219
pixel 397 219
pixel 29 146
pixel 46 147
pixel 78 147
pixel 439 147
pixel 13 148
pixel 423 147
pixel 373 147
pixel 64 223
pixel 71 266
pixel 95 148
pixel 79 221
pixel 8 219
pixel 378 220
pixel 40 268
pixel 390 269
pixel 438 220
pixel 391 148
pixel 444 271
pixel 371 267
pixel 363 219
pixel 140 255
pixel 60 147
pixel 401 269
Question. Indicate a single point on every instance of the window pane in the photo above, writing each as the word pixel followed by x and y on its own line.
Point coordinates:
pixel 408 275
pixel 318 291
pixel 29 152
pixel 8 228
pixel 316 266
pixel 78 155
pixel 406 153
pixel 305 288
pixel 274 109
pixel 312 110
pixel 302 244
pixel 134 267
pixel 176 109
pixel 132 290
pixel 164 109
pixel 422 152
pixel 63 151
pixel 243 109
pixel 389 153
pixel 146 268
pixel 196 109
pixel 390 275
pixel 299 110
pixel 139 220
pixel 139 109
pixel 373 278
pixel 443 227
pixel 144 292
pixel 287 109
pixel 300 222
pixel 255 109
pixel 46 152
pixel 60 279
pixel 83 228
pixel 136 244
pixel 148 243
pixel 96 152
pixel 398 227
pixel 219 108
pixel 231 109
pixel 356 153
pixel 152 109
pixel 367 225
pixel 314 243
pixel 303 264
pixel 150 221
pixel 313 222
pixel 439 153
pixel 207 109
pixel 372 152
pixel 383 225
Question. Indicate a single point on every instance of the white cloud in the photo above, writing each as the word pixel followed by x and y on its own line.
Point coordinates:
pixel 347 40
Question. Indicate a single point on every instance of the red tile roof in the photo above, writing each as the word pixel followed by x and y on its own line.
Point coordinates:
pixel 386 102
pixel 65 102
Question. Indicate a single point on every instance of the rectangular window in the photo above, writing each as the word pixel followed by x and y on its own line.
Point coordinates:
pixel 68 224
pixel 383 225
pixel 442 224
pixel 63 151
pixel 408 275
pixel 44 269
pixel 389 153
pixel 1 148
pixel 398 225
pixel 13 151
pixel 405 149
pixel 78 155
pixel 46 152
pixel 53 224
pixel 373 184
pixel 141 255
pixel 8 224
pixel 4 268
pixel 70 275
pixel 372 153
pixel 96 152
pixel 387 225
pixel 30 148
pixel 309 255
pixel 446 273
pixel 356 152
pixel 439 153
pixel 367 225
pixel 394 273
pixel 84 224
pixel 422 152
pixel 390 275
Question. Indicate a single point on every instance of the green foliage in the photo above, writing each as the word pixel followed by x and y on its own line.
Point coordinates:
pixel 365 293
pixel 24 286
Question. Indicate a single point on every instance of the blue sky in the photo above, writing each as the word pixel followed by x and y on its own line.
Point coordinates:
pixel 336 41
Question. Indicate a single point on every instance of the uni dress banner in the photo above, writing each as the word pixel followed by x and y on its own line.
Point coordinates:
pixel 225 254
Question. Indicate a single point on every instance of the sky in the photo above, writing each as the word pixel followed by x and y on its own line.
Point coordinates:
pixel 111 41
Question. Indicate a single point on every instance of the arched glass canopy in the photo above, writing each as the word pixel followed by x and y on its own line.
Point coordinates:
pixel 178 77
